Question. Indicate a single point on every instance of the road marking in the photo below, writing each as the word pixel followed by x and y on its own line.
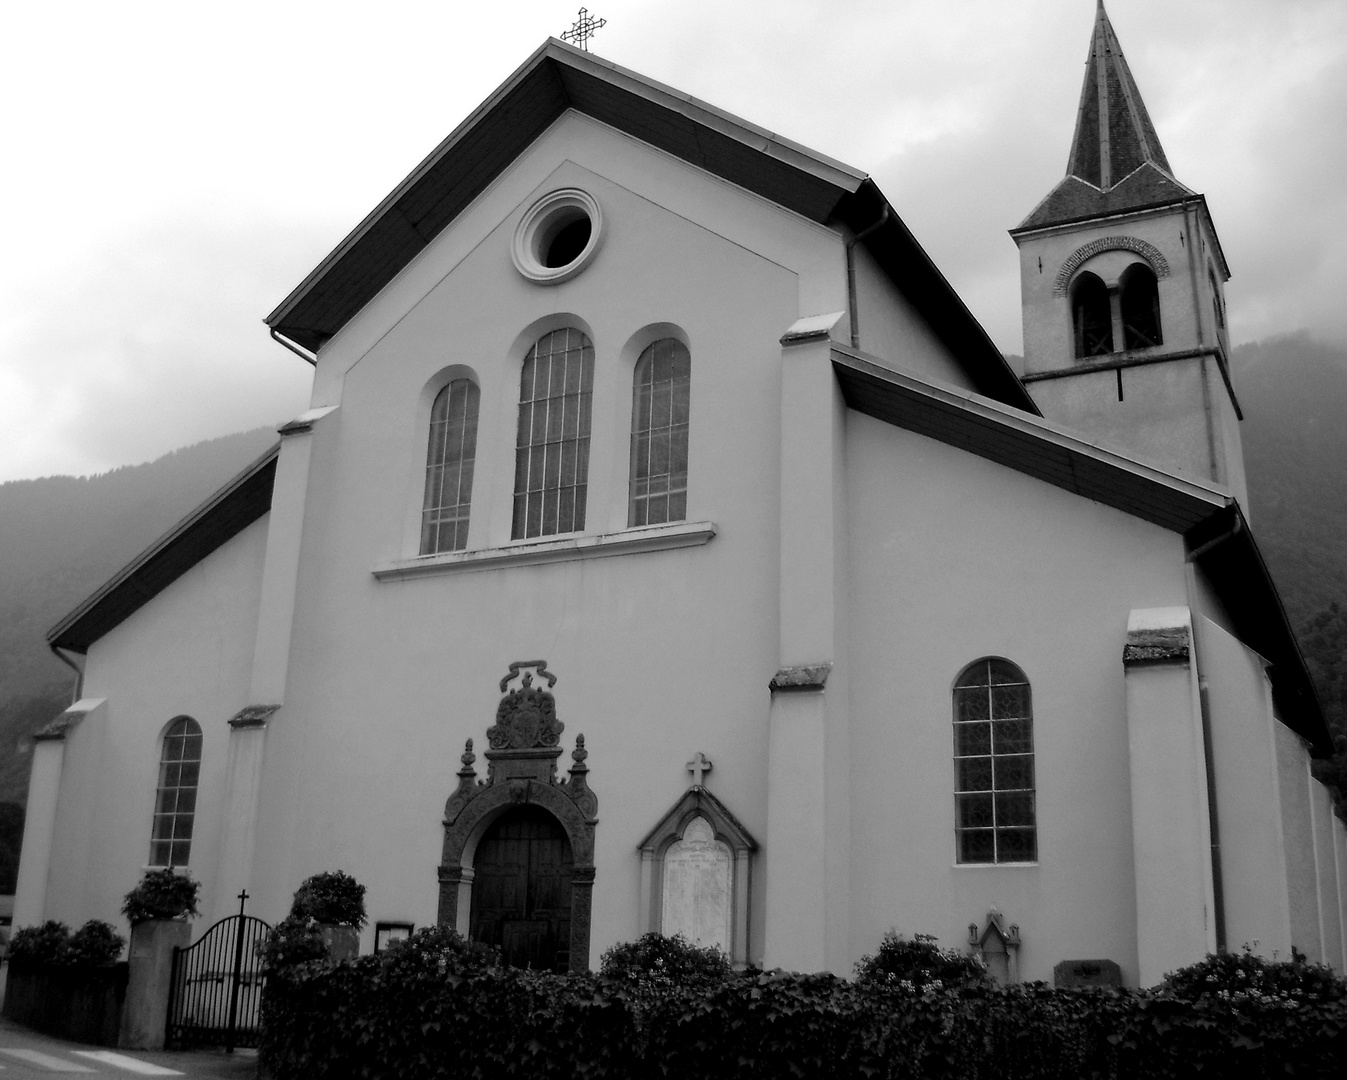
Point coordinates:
pixel 45 1061
pixel 130 1064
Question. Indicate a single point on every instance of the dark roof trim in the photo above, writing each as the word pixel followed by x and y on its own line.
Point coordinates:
pixel 1215 534
pixel 906 263
pixel 223 516
pixel 1224 549
pixel 558 77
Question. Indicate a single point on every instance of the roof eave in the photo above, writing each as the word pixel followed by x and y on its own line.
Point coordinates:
pixel 230 510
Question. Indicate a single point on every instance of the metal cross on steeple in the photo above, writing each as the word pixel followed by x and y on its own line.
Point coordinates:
pixel 699 766
pixel 583 30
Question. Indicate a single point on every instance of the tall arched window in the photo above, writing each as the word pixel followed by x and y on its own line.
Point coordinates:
pixel 175 801
pixel 1092 316
pixel 994 816
pixel 1218 309
pixel 449 466
pixel 1140 303
pixel 552 448
pixel 659 434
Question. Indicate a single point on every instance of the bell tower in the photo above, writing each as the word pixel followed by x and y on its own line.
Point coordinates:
pixel 1122 279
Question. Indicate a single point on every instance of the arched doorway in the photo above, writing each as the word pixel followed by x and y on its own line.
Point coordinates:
pixel 521 889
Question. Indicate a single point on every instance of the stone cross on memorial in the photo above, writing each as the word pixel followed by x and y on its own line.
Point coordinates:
pixel 698 766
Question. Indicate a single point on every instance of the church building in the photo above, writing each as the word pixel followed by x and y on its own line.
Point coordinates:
pixel 667 547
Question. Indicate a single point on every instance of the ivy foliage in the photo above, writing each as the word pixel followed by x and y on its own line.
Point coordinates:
pixel 162 894
pixel 52 944
pixel 438 1006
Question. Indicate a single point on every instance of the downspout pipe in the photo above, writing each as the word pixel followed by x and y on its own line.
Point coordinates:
pixel 79 671
pixel 851 274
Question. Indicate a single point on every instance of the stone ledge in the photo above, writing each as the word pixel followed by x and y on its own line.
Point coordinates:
pixel 679 534
pixel 798 678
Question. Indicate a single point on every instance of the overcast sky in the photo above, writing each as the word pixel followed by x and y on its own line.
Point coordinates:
pixel 174 169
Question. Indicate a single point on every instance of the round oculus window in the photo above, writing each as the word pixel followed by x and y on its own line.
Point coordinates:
pixel 557 236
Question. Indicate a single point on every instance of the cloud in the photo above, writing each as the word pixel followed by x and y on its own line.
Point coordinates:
pixel 154 340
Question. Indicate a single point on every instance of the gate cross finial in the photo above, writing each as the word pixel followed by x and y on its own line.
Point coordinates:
pixel 243 899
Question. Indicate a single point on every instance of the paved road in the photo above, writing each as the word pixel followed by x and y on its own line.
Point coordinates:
pixel 25 1054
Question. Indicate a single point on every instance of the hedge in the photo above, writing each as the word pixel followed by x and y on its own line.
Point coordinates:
pixel 403 1014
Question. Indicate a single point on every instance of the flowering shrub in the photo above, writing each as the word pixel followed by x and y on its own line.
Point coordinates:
pixel 162 894
pixel 437 952
pixel 335 898
pixel 94 943
pixel 919 965
pixel 293 940
pixel 656 956
pixel 1243 977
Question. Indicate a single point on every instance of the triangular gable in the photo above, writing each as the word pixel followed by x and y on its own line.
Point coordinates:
pixel 557 78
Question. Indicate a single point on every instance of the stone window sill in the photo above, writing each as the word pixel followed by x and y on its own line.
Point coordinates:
pixel 994 865
pixel 679 534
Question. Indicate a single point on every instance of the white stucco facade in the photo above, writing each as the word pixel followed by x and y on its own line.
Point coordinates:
pixel 828 531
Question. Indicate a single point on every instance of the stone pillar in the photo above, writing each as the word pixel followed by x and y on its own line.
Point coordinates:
pixel 243 779
pixel 1171 828
pixel 805 851
pixel 456 897
pixel 145 1014
pixel 44 796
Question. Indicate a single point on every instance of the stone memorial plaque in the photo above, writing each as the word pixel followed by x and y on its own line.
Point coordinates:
pixel 698 898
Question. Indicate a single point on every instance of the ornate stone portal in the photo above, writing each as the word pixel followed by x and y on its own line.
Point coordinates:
pixel 521 770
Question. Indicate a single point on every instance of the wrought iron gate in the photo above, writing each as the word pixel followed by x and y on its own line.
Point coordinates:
pixel 215 995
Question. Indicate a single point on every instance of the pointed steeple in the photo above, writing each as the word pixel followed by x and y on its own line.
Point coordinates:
pixel 1114 134
pixel 1116 160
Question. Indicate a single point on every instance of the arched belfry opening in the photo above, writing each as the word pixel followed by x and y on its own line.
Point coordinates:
pixel 1140 303
pixel 1091 316
pixel 517 869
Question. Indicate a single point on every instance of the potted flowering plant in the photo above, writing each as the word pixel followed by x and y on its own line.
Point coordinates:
pixel 335 903
pixel 158 909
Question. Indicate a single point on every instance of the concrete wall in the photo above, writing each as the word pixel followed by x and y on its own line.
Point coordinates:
pixel 188 652
pixel 658 654
pixel 956 558
pixel 1297 819
pixel 1244 741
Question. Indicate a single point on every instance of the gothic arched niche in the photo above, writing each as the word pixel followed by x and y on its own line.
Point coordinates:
pixel 696 867
pixel 554 820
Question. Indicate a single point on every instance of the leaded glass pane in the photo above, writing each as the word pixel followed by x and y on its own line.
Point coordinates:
pixel 993 747
pixel 972 739
pixel 977 845
pixel 552 440
pixel 175 797
pixel 974 774
pixel 659 433
pixel 450 460
pixel 973 811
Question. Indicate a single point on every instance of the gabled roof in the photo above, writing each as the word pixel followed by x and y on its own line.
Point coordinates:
pixel 1213 527
pixel 558 77
pixel 1116 162
pixel 221 517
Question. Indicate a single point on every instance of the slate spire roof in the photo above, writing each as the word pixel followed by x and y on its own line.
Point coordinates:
pixel 1116 160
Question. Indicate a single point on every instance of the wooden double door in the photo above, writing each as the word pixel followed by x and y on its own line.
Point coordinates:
pixel 521 889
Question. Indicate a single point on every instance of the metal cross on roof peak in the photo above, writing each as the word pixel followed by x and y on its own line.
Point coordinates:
pixel 698 767
pixel 580 33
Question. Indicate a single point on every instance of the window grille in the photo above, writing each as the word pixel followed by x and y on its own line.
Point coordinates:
pixel 449 468
pixel 994 815
pixel 175 801
pixel 659 434
pixel 552 447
